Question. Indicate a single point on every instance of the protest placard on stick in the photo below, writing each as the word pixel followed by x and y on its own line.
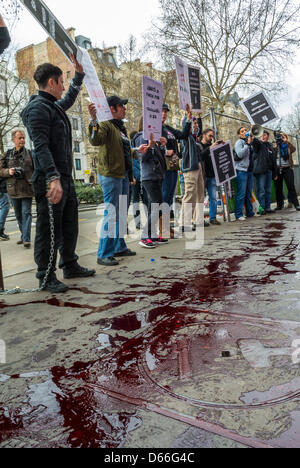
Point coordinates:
pixel 223 163
pixel 259 110
pixel 94 88
pixel 52 26
pixel 152 108
pixel 189 85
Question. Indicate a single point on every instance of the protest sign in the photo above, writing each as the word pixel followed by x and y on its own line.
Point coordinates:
pixel 152 108
pixel 223 163
pixel 183 83
pixel 53 27
pixel 195 88
pixel 189 85
pixel 94 88
pixel 259 110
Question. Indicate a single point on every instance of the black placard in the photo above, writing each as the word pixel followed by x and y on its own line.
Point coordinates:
pixel 52 26
pixel 223 163
pixel 259 109
pixel 195 87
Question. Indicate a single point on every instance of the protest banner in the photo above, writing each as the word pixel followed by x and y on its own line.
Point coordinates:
pixel 259 110
pixel 223 163
pixel 94 88
pixel 52 26
pixel 152 108
pixel 189 85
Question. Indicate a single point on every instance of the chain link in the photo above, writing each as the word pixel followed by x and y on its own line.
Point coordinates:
pixel 50 266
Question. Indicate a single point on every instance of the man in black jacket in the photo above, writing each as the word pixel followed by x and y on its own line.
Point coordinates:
pixel 50 131
pixel 264 171
pixel 4 36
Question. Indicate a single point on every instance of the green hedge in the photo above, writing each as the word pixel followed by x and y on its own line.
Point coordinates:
pixel 91 195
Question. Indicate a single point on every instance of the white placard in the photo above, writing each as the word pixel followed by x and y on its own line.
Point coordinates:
pixel 259 110
pixel 94 88
pixel 152 108
pixel 183 83
pixel 189 85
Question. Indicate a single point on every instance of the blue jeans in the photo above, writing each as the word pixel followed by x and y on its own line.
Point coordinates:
pixel 169 187
pixel 4 209
pixel 23 212
pixel 244 194
pixel 211 186
pixel 261 182
pixel 110 241
pixel 269 182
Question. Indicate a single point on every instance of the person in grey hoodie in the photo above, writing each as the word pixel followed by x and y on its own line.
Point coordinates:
pixel 244 168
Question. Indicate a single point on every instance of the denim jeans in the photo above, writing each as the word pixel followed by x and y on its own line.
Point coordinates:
pixel 261 182
pixel 4 209
pixel 244 194
pixel 23 212
pixel 110 241
pixel 269 181
pixel 211 186
pixel 169 187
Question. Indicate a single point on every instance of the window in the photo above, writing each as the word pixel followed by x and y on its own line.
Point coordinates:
pixel 78 164
pixel 75 124
pixel 76 147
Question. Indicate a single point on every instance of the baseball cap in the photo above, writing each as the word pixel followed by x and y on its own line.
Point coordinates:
pixel 166 107
pixel 116 101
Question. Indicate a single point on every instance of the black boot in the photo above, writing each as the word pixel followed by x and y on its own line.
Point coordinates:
pixel 53 285
pixel 3 236
pixel 76 271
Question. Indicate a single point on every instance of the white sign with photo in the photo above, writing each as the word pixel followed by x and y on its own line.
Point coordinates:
pixel 189 85
pixel 94 88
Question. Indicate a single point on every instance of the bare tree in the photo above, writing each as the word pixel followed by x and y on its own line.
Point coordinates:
pixel 292 121
pixel 237 43
pixel 13 98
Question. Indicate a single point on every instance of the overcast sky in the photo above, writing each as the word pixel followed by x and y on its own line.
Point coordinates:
pixel 112 22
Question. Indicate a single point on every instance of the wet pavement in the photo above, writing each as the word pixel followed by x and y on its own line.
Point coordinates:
pixel 174 348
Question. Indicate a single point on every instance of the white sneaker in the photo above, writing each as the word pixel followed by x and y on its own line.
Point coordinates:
pixel 241 219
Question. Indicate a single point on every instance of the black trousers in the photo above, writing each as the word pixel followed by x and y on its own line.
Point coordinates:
pixel 154 192
pixel 65 227
pixel 289 177
pixel 138 193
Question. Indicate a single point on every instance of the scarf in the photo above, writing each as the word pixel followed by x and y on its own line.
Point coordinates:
pixel 126 142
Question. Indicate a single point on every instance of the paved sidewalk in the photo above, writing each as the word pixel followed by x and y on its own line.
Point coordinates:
pixel 174 348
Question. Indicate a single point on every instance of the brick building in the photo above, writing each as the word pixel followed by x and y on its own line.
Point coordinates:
pixel 124 80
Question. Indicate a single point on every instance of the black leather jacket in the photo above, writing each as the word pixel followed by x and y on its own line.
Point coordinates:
pixel 50 131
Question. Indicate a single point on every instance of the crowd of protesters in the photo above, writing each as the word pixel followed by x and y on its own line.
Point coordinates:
pixel 148 172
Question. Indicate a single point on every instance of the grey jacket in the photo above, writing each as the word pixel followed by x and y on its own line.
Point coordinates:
pixel 243 152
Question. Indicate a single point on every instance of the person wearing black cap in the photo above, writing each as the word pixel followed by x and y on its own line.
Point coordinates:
pixel 4 36
pixel 173 136
pixel 115 173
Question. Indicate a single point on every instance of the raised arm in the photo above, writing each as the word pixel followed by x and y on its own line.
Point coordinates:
pixel 75 87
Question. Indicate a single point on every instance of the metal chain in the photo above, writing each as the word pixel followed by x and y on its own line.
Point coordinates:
pixel 51 258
